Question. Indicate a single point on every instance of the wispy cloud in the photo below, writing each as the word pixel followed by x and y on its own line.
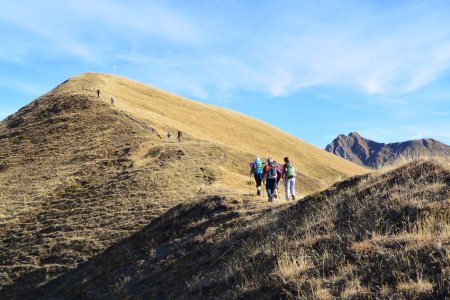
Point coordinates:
pixel 389 51
pixel 277 49
pixel 92 30
pixel 386 61
pixel 395 52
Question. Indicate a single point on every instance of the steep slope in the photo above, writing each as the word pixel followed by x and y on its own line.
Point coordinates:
pixel 365 152
pixel 164 111
pixel 78 176
pixel 377 236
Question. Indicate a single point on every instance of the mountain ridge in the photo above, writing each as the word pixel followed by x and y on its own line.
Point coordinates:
pixel 364 152
pixel 78 175
pixel 332 244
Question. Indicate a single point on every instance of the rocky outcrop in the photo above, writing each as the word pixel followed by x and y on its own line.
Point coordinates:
pixel 372 154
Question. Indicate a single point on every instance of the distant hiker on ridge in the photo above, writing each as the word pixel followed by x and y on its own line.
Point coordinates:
pixel 180 135
pixel 256 168
pixel 112 101
pixel 288 175
pixel 98 93
pixel 270 174
pixel 169 136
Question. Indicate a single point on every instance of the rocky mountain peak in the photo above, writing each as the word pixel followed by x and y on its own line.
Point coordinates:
pixel 368 153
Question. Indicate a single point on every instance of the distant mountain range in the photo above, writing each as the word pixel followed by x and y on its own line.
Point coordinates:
pixel 372 154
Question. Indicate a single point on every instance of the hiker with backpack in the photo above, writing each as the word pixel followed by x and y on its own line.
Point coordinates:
pixel 256 168
pixel 279 175
pixel 169 136
pixel 288 175
pixel 270 174
pixel 180 136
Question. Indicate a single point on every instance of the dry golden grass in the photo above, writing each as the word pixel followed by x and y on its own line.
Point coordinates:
pixel 78 175
pixel 376 247
pixel 110 211
pixel 354 289
pixel 369 237
pixel 415 288
pixel 164 111
pixel 322 294
pixel 291 266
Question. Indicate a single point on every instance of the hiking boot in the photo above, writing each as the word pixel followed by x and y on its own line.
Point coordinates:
pixel 270 199
pixel 293 197
pixel 258 193
pixel 275 196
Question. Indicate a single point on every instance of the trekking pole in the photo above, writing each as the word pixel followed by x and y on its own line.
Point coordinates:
pixel 264 183
pixel 250 184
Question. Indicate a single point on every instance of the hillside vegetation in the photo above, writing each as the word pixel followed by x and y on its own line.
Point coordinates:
pixel 164 111
pixel 78 176
pixel 377 236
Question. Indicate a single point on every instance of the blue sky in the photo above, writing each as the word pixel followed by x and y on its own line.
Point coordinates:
pixel 313 68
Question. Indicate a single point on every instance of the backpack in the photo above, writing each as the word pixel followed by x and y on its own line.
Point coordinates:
pixel 290 171
pixel 272 173
pixel 258 167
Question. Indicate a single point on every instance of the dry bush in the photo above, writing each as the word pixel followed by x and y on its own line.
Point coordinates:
pixel 291 266
pixel 415 288
pixel 353 289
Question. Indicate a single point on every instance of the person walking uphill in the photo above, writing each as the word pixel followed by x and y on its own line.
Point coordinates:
pixel 288 175
pixel 270 175
pixel 180 136
pixel 169 136
pixel 256 168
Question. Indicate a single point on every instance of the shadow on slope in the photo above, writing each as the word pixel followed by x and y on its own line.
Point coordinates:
pixel 78 176
pixel 373 236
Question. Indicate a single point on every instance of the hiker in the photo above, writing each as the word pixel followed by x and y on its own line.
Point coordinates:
pixel 270 174
pixel 288 175
pixel 112 101
pixel 180 135
pixel 169 136
pixel 278 171
pixel 279 174
pixel 98 93
pixel 256 168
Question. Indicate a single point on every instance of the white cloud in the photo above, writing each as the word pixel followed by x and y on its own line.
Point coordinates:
pixel 92 31
pixel 396 52
pixel 273 49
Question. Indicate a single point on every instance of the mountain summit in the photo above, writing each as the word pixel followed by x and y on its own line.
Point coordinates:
pixel 368 153
pixel 96 204
pixel 78 174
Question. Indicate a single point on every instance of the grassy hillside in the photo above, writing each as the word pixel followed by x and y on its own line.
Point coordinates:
pixel 78 176
pixel 163 111
pixel 378 236
pixel 76 179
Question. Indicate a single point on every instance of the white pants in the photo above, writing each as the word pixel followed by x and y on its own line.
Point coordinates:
pixel 289 186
